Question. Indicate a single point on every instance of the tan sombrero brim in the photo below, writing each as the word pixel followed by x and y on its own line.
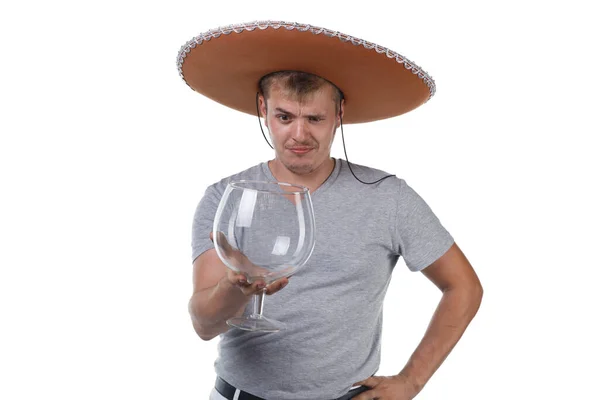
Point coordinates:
pixel 225 64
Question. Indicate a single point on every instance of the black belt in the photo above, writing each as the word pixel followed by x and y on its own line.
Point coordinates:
pixel 228 392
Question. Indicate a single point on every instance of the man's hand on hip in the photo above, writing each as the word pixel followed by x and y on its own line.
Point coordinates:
pixel 397 387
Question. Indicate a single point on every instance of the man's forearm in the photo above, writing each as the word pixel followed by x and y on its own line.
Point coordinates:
pixel 452 316
pixel 210 308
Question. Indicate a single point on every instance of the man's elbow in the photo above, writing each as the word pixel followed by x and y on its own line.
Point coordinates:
pixel 469 294
pixel 203 332
pixel 207 337
pixel 475 296
pixel 472 289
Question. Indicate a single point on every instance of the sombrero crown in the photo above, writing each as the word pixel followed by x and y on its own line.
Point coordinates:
pixel 226 64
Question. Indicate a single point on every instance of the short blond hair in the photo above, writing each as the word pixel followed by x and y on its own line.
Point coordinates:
pixel 300 84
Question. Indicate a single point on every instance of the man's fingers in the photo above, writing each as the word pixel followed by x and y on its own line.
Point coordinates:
pixel 277 286
pixel 370 382
pixel 256 286
pixel 240 280
pixel 252 288
pixel 368 395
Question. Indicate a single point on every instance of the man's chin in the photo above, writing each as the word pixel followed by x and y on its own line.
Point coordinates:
pixel 300 167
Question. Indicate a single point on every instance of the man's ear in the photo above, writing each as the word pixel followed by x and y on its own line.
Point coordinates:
pixel 340 116
pixel 262 106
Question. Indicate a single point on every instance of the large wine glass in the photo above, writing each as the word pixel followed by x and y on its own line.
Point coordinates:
pixel 264 230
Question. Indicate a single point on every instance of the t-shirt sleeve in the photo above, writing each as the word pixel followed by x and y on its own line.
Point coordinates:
pixel 420 237
pixel 203 222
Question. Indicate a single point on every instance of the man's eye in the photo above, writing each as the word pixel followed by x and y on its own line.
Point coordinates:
pixel 283 117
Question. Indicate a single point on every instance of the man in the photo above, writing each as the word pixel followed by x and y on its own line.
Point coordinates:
pixel 333 306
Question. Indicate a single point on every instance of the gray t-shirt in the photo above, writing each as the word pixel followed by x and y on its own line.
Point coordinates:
pixel 333 305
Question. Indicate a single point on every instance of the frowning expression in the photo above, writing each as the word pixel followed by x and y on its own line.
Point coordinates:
pixel 301 129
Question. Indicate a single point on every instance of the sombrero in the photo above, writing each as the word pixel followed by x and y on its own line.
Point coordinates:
pixel 226 64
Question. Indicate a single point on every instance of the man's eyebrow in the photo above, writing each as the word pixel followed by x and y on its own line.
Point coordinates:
pixel 283 111
pixel 318 115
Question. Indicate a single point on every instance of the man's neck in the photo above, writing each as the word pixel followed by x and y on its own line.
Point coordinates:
pixel 312 181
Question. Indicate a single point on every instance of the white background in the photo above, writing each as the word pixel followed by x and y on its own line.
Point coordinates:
pixel 105 152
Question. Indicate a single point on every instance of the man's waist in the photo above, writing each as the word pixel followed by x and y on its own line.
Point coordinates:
pixel 230 392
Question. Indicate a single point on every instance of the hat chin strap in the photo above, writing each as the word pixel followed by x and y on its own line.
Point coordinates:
pixel 260 124
pixel 343 142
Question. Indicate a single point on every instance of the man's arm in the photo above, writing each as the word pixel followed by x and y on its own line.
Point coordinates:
pixel 215 298
pixel 219 294
pixel 462 293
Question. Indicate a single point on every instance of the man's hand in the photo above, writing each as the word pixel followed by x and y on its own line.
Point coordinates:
pixel 240 279
pixel 397 387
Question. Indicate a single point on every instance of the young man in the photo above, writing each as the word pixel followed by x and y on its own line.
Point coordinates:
pixel 333 307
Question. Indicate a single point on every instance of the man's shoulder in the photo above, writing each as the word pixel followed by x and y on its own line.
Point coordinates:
pixel 370 174
pixel 252 173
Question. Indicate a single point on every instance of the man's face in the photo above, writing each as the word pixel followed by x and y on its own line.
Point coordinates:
pixel 302 132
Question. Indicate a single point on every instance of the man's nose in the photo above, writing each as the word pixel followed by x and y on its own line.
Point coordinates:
pixel 301 129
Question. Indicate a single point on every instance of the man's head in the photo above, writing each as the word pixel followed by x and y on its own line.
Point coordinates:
pixel 302 112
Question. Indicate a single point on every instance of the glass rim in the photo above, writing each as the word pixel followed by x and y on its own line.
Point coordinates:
pixel 238 184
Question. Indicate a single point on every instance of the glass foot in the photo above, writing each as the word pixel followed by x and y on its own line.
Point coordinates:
pixel 256 323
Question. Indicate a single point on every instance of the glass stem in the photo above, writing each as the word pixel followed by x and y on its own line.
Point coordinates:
pixel 259 301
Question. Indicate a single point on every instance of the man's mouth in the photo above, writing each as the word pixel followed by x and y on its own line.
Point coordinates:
pixel 300 150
